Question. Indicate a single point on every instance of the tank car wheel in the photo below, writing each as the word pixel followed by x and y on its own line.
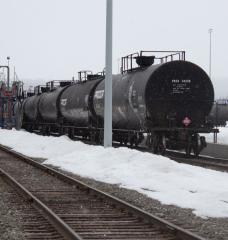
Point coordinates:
pixel 131 142
pixel 161 145
pixel 71 133
pixel 47 131
pixel 196 152
pixel 43 130
pixel 101 136
pixel 153 143
pixel 188 150
pixel 29 128
pixel 196 144
pixel 97 137
pixel 188 147
pixel 130 139
pixel 60 131
pixel 140 138
pixel 125 139
pixel 154 149
pixel 92 137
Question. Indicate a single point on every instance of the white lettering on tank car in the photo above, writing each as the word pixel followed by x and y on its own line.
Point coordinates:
pixel 181 81
pixel 180 86
pixel 63 102
pixel 99 94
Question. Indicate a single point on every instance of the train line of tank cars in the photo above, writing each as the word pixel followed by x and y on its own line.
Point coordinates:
pixel 164 98
pixel 219 112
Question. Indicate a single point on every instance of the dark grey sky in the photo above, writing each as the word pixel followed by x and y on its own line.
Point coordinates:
pixel 53 39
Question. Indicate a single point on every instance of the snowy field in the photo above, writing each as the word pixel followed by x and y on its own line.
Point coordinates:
pixel 205 191
pixel 222 136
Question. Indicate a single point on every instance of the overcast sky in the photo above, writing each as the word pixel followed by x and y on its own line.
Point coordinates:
pixel 53 39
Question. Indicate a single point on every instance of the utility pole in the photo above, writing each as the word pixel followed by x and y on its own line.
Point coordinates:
pixel 108 78
pixel 210 33
pixel 14 74
pixel 8 77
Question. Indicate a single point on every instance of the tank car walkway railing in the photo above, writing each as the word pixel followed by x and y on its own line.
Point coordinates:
pixel 129 63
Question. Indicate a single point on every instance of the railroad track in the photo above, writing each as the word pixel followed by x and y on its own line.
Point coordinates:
pixel 32 225
pixel 78 211
pixel 203 161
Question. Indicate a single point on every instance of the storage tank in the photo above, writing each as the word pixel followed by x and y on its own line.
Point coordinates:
pixel 162 95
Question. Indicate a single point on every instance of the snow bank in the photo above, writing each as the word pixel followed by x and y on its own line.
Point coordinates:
pixel 205 191
pixel 222 136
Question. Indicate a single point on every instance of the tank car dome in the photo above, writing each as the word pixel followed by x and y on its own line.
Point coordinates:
pixel 179 87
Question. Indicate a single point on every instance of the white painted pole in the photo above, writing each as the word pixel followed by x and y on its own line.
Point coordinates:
pixel 108 78
pixel 210 32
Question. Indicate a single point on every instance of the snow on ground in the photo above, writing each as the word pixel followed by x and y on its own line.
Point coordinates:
pixel 222 136
pixel 203 190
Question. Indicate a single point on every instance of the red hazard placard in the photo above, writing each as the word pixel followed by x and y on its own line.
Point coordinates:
pixel 186 121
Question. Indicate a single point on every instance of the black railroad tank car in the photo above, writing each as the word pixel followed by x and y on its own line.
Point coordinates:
pixel 168 102
pixel 49 103
pixel 76 102
pixel 48 106
pixel 219 113
pixel 30 108
pixel 159 96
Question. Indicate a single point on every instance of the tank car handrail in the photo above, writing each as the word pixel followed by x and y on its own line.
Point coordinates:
pixel 127 61
pixel 39 89
pixel 82 75
pixel 87 75
pixel 52 85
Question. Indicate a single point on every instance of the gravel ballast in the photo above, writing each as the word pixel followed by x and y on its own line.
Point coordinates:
pixel 10 227
pixel 210 228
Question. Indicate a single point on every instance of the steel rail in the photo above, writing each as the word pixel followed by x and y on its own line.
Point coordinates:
pixel 202 161
pixel 179 232
pixel 220 164
pixel 58 223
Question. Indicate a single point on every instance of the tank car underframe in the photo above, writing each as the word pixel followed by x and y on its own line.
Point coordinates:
pixel 92 134
pixel 188 139
pixel 157 139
